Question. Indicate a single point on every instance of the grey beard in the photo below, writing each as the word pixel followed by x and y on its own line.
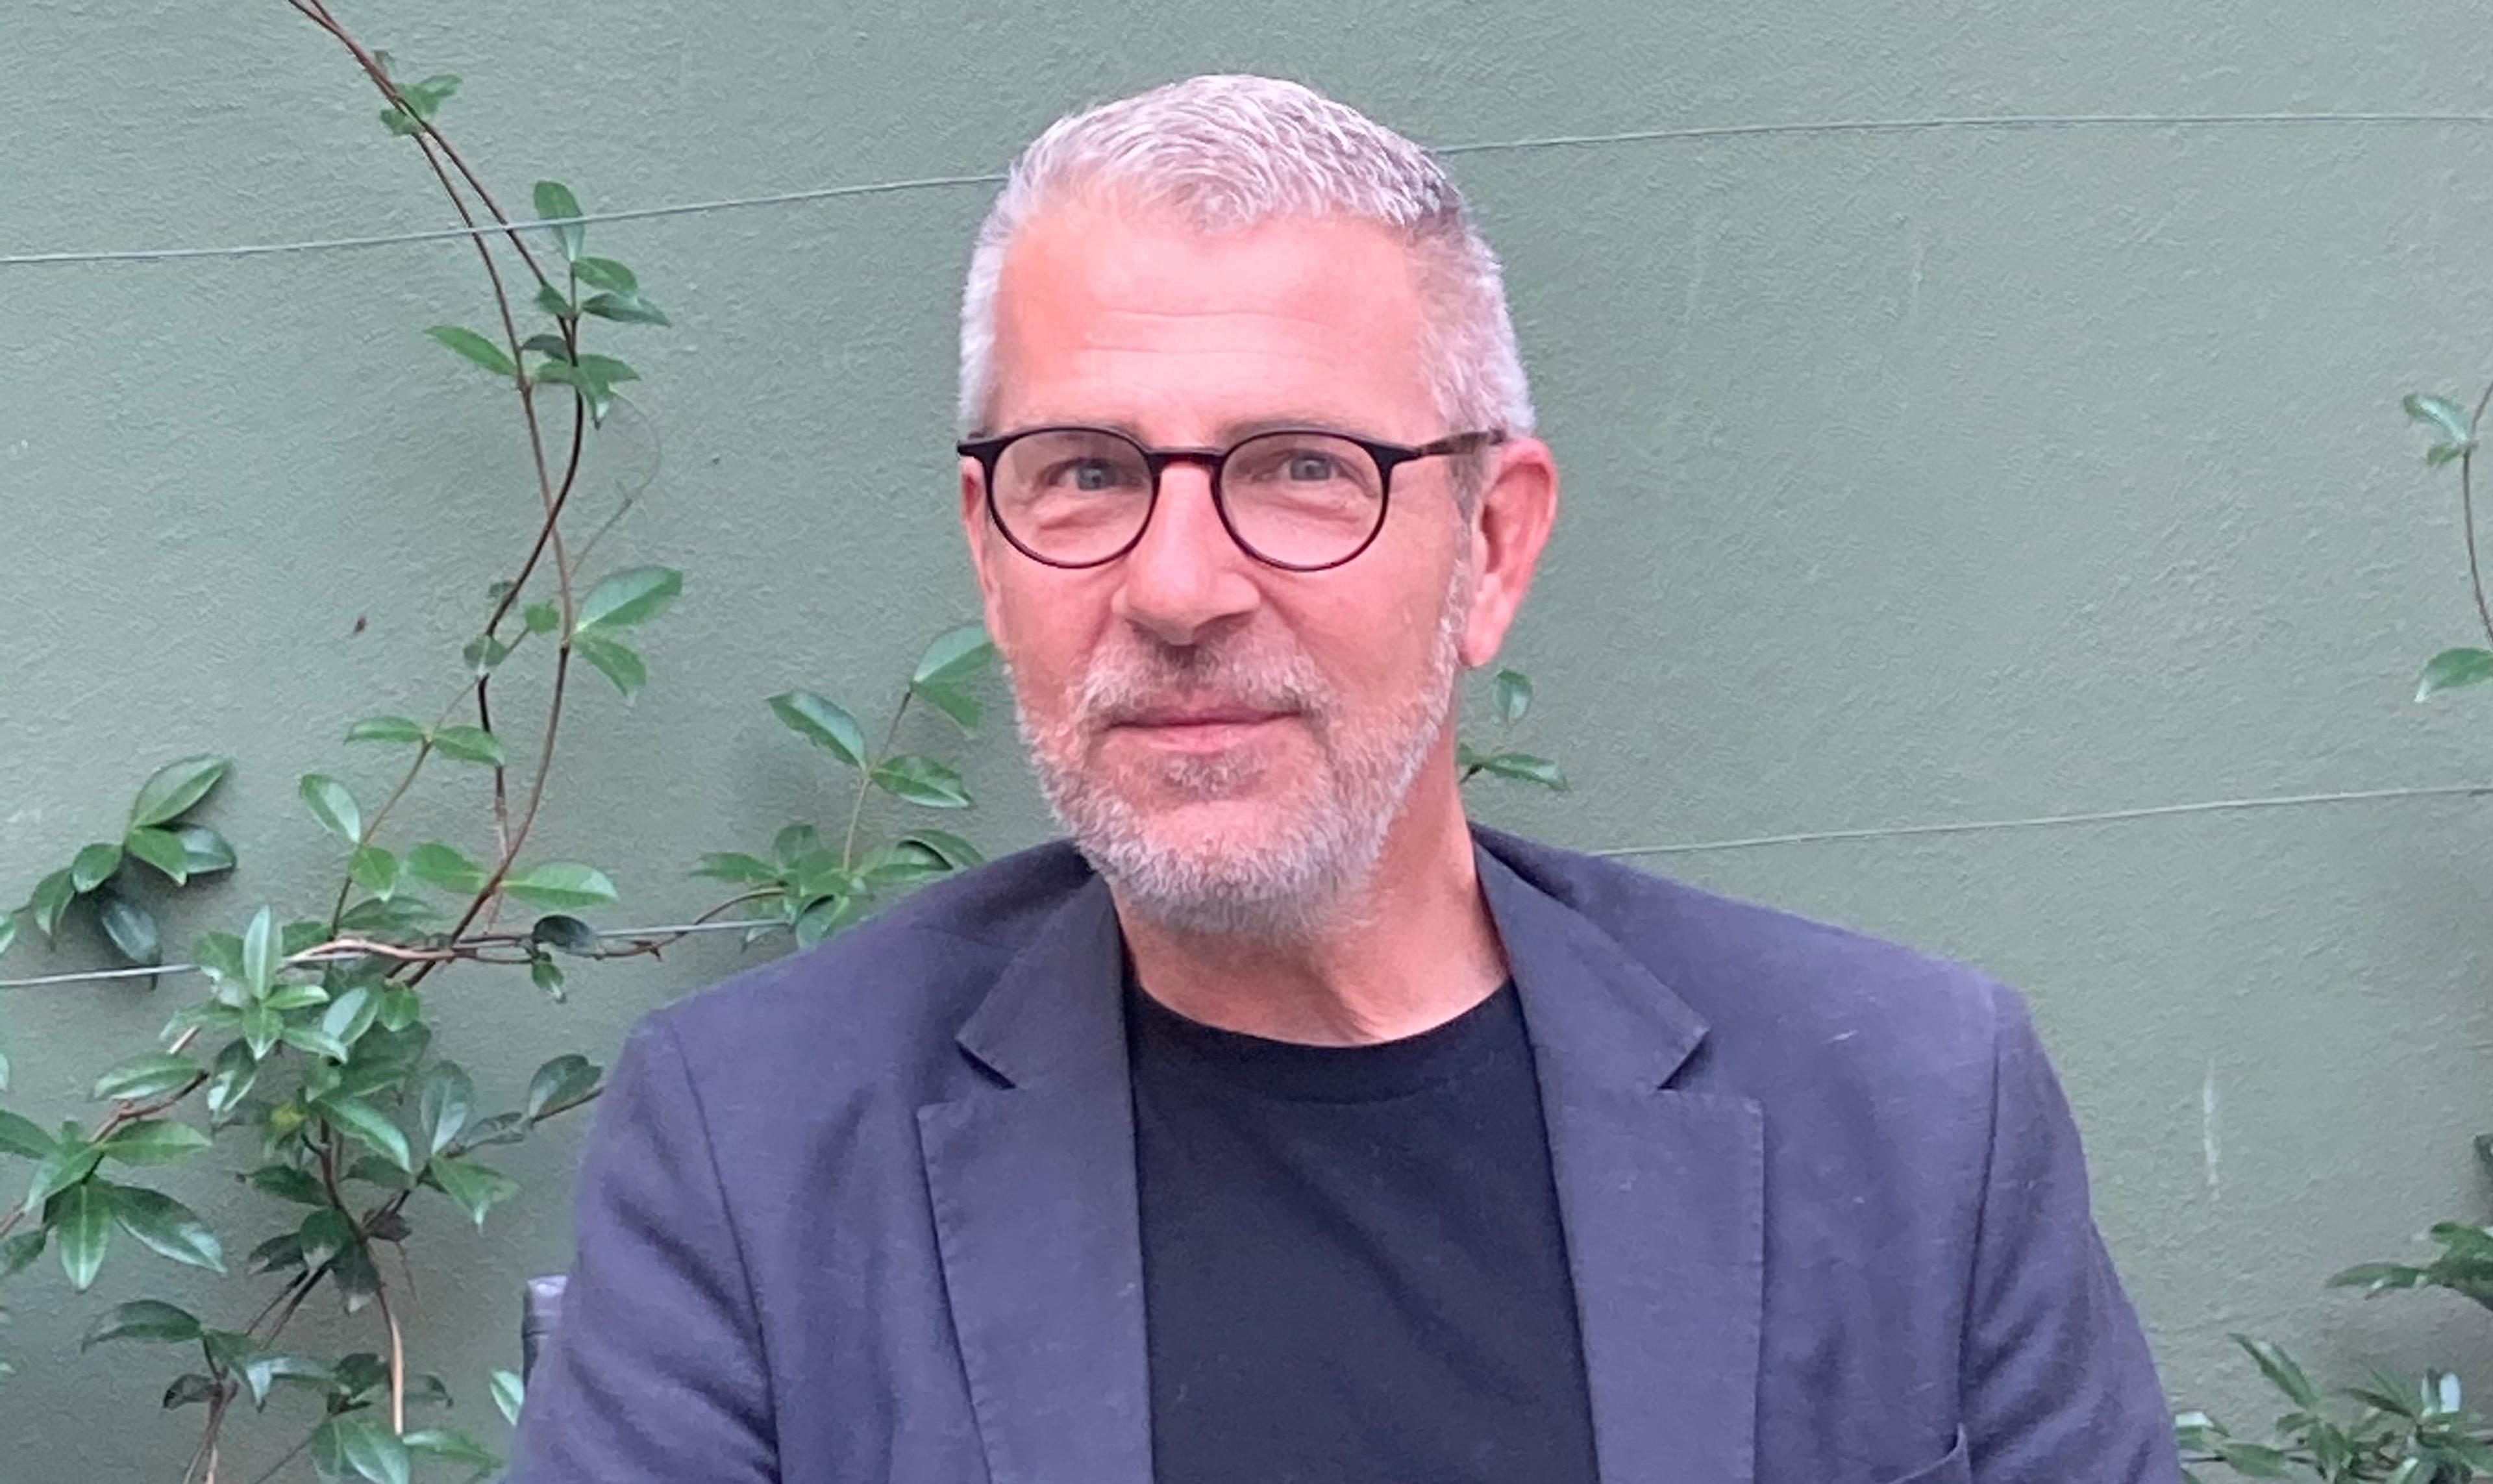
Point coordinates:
pixel 1304 880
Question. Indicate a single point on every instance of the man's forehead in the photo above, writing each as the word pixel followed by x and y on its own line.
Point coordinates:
pixel 1096 295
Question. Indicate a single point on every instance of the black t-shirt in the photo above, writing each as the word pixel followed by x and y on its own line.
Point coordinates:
pixel 1353 1268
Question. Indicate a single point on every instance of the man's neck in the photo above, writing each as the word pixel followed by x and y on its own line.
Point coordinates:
pixel 1415 949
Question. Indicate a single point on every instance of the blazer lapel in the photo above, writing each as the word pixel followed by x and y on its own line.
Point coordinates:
pixel 1660 1191
pixel 1032 1185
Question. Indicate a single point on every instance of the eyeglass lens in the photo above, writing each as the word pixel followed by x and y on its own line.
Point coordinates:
pixel 1081 495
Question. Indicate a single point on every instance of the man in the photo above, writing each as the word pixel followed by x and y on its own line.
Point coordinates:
pixel 1281 1126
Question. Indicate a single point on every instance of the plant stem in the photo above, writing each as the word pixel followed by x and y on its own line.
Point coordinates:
pixel 2467 511
pixel 124 1114
pixel 866 780
pixel 396 1353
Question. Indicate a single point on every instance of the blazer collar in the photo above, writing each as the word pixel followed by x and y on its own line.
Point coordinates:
pixel 1660 1193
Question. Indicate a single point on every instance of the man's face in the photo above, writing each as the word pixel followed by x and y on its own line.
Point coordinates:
pixel 1230 741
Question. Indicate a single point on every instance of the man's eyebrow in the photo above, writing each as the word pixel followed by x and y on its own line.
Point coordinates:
pixel 1227 434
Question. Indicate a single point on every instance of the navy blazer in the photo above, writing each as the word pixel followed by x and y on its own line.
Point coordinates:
pixel 867 1213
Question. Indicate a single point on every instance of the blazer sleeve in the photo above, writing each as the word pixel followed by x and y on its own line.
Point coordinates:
pixel 2058 1381
pixel 655 1373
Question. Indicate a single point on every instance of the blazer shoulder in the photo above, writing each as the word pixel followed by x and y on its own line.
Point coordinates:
pixel 1771 983
pixel 885 996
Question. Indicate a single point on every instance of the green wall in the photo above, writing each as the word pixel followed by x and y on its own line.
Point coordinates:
pixel 1911 476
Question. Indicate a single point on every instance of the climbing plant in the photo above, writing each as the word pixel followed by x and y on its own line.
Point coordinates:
pixel 2392 1427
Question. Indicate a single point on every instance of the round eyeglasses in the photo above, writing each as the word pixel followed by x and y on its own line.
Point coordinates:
pixel 1301 499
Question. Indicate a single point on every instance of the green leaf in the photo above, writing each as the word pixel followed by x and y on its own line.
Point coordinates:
pixel 81 1223
pixel 541 617
pixel 953 701
pixel 559 1082
pixel 625 308
pixel 232 1080
pixel 261 953
pixel 94 866
pixel 632 596
pixel 160 848
pixel 485 653
pixel 450 1447
pixel 2438 413
pixel 955 657
pixel 824 723
pixel 369 1125
pixel 917 779
pixel 444 1104
pixel 474 1186
pixel 2256 1460
pixel 145 1319
pixel 828 916
pixel 25 1137
pixel 263 1028
pixel 401 1007
pixel 795 843
pixel 8 936
pixel 190 1390
pixel 741 870
pixel 386 728
pixel 350 1015
pixel 550 299
pixel 956 852
pixel 147 1076
pixel 332 806
pixel 595 377
pixel 547 975
pixel 1523 767
pixel 1513 691
pixel 616 659
pixel 52 897
pixel 567 934
pixel 560 884
pixel 442 866
pixel 475 347
pixel 167 1228
pixel 174 787
pixel 556 203
pixel 154 1141
pixel 69 1161
pixel 132 927
pixel 19 1253
pixel 325 1234
pixel 903 863
pixel 2452 668
pixel 358 1446
pixel 2281 1370
pixel 374 869
pixel 316 1040
pixel 509 1392
pixel 206 850
pixel 288 1183
pixel 607 274
pixel 468 744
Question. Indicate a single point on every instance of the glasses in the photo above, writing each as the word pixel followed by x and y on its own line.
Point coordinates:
pixel 1300 499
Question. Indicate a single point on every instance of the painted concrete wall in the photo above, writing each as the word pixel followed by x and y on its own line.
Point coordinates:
pixel 1912 476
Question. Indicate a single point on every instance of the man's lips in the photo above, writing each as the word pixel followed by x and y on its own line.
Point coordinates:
pixel 1200 716
pixel 1206 727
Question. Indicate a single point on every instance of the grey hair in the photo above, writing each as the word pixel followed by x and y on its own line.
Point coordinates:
pixel 1228 153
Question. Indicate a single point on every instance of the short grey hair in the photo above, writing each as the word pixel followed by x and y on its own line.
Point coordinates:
pixel 1228 153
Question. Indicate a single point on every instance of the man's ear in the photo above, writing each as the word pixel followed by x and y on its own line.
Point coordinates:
pixel 1509 524
pixel 979 531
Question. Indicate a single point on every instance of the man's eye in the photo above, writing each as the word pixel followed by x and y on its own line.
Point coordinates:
pixel 1311 468
pixel 1088 475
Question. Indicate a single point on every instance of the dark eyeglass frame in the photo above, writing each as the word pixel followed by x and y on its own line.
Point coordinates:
pixel 1388 458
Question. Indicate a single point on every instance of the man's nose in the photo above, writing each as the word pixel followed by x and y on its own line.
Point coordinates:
pixel 1186 576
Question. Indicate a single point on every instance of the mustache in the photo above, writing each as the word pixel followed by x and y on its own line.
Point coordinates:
pixel 1125 681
